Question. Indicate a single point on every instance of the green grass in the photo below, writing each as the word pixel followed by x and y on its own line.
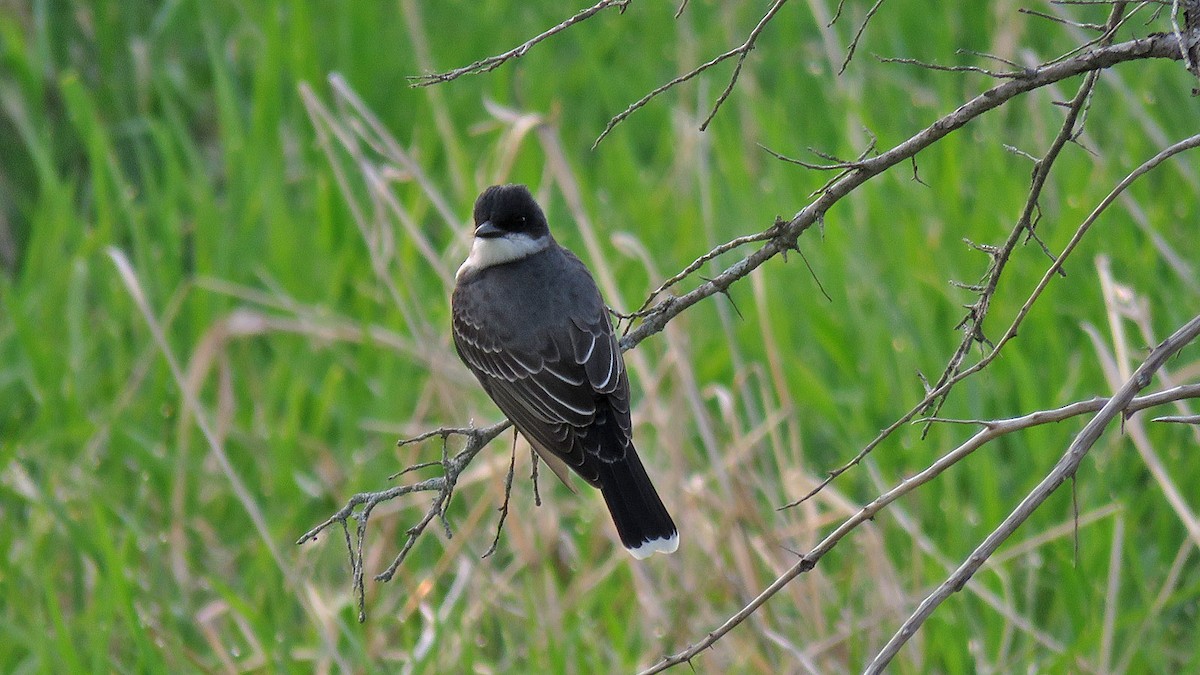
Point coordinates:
pixel 176 133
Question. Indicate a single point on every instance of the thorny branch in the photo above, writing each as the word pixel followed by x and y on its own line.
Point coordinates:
pixel 779 238
pixel 972 323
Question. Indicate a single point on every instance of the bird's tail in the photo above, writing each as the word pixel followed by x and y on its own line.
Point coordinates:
pixel 642 521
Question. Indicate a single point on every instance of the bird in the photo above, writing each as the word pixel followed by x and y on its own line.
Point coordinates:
pixel 529 322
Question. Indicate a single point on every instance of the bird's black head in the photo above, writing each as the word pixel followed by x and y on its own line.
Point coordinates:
pixel 509 209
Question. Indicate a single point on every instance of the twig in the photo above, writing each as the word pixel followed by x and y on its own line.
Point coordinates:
pixel 1110 29
pixel 740 51
pixel 837 165
pixel 493 62
pixel 1178 419
pixel 992 57
pixel 858 34
pixel 690 269
pixel 952 69
pixel 508 479
pixel 1057 19
pixel 745 50
pixel 837 13
pixel 813 274
pixel 533 476
pixel 1065 468
pixel 842 167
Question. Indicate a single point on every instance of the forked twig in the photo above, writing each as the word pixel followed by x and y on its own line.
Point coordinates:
pixel 443 485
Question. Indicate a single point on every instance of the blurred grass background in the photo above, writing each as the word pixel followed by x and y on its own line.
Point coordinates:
pixel 315 335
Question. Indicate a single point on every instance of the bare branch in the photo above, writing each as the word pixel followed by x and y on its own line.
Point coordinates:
pixel 991 431
pixel 1110 28
pixel 842 167
pixel 784 235
pixel 508 480
pixel 993 57
pixel 972 323
pixel 953 69
pixel 693 267
pixel 837 164
pixel 837 14
pixel 1065 468
pixel 1056 19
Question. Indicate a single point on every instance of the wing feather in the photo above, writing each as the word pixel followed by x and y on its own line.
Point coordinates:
pixel 561 380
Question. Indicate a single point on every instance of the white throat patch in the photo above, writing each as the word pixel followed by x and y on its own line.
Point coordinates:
pixel 488 251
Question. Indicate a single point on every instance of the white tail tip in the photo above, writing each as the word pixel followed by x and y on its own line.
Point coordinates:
pixel 660 545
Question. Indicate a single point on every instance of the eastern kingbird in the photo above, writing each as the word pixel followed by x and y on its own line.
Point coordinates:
pixel 530 324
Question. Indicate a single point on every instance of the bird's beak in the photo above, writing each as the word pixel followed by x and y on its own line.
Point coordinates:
pixel 488 231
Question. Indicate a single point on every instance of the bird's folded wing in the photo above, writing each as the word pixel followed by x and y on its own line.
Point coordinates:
pixel 551 393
